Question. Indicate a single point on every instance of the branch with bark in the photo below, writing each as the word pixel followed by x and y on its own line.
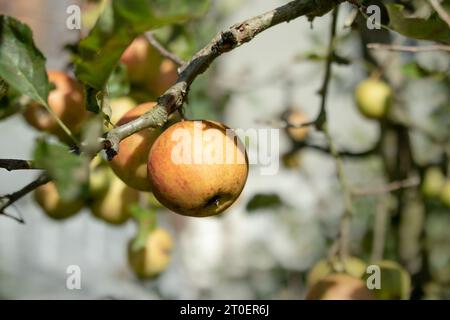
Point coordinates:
pixel 225 41
pixel 17 164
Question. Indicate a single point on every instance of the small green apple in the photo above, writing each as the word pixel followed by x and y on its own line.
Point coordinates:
pixel 433 182
pixel 373 98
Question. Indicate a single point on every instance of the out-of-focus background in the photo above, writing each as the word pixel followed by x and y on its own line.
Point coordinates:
pixel 241 255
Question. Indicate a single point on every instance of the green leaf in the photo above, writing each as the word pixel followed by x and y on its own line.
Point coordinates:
pixel 118 84
pixel 22 65
pixel 432 28
pixel 146 219
pixel 413 70
pixel 69 171
pixel 264 201
pixel 118 25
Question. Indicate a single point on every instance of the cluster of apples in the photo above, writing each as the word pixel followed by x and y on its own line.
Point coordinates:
pixel 435 185
pixel 144 165
pixel 373 99
pixel 346 279
pixel 110 200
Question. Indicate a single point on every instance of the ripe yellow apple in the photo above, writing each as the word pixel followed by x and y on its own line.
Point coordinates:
pixel 166 77
pixel 119 107
pixel 352 266
pixel 113 205
pixel 373 98
pixel 340 286
pixel 196 169
pixel 296 117
pixel 154 257
pixel 48 198
pixel 66 101
pixel 445 193
pixel 433 182
pixel 141 60
pixel 130 164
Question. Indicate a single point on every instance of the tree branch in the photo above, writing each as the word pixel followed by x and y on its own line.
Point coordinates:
pixel 441 11
pixel 9 199
pixel 391 187
pixel 225 41
pixel 341 153
pixel 163 51
pixel 322 117
pixel 391 47
pixel 342 240
pixel 17 164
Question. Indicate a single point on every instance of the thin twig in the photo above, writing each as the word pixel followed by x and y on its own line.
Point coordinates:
pixel 355 3
pixel 413 49
pixel 344 227
pixel 283 124
pixel 441 11
pixel 163 51
pixel 341 153
pixel 11 198
pixel 391 187
pixel 322 117
pixel 17 164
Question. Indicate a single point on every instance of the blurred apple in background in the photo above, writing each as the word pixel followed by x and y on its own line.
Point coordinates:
pixel 373 98
pixel 154 256
pixel 67 102
pixel 48 198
